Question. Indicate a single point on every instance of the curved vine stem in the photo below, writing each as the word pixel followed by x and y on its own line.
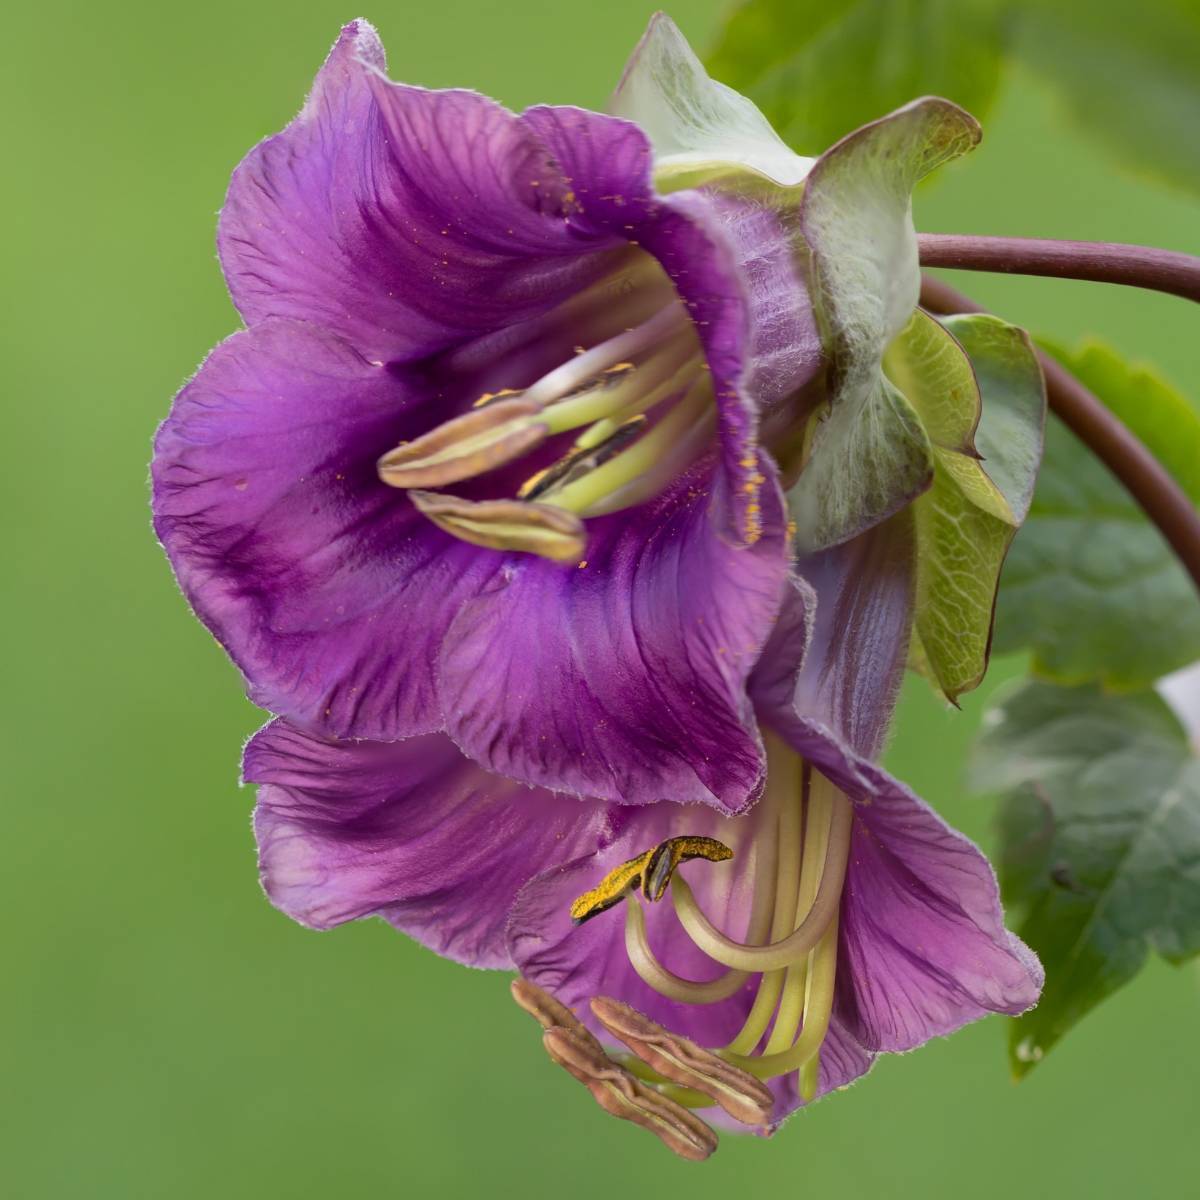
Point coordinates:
pixel 1142 475
pixel 1101 262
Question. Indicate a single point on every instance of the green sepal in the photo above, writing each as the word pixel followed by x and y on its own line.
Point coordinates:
pixel 975 382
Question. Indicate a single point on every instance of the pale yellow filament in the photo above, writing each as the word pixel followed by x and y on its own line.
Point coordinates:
pixel 795 946
pixel 765 864
pixel 818 820
pixel 783 789
pixel 818 1009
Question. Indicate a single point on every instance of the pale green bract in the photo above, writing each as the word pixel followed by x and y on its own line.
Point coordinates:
pixel 699 128
pixel 849 214
pixel 869 456
pixel 975 383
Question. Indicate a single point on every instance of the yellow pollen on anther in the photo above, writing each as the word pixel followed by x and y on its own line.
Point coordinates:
pixel 488 397
pixel 650 871
pixel 668 855
pixel 611 889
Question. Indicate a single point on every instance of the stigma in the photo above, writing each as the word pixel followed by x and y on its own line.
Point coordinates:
pixel 609 428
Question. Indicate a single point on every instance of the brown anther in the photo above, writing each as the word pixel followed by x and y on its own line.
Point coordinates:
pixel 578 463
pixel 682 1061
pixel 550 1013
pixel 669 854
pixel 466 446
pixel 622 1095
pixel 538 529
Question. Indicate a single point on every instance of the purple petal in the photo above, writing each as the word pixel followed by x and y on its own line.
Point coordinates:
pixel 402 218
pixel 415 225
pixel 410 831
pixel 783 351
pixel 730 262
pixel 923 949
pixel 329 590
pixel 859 599
pixel 625 678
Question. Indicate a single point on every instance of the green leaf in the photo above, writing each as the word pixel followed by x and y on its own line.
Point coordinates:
pixel 1101 842
pixel 1090 585
pixel 820 68
pixel 868 455
pixel 699 128
pixel 1129 76
pixel 966 521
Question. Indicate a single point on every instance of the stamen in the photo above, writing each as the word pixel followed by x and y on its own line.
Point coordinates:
pixel 688 1097
pixel 468 445
pixel 611 890
pixel 620 1093
pixel 579 462
pixel 645 962
pixel 818 816
pixel 689 991
pixel 668 855
pixel 679 381
pixel 783 797
pixel 607 393
pixel 652 870
pixel 494 397
pixel 796 945
pixel 683 1062
pixel 506 524
pixel 642 471
pixel 628 345
pixel 549 1012
pixel 818 1009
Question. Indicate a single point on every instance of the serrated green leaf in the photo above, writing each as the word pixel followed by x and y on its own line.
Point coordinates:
pixel 820 68
pixel 966 521
pixel 1101 842
pixel 1129 77
pixel 1090 585
pixel 869 454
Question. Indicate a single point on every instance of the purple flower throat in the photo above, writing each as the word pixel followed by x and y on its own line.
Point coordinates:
pixel 797 841
pixel 605 429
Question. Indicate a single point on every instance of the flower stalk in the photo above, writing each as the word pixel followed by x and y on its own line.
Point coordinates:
pixel 1100 262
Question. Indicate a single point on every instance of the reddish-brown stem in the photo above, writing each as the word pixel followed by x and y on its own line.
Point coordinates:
pixel 1143 476
pixel 1102 262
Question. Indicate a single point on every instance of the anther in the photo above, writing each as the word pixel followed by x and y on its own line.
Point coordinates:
pixel 506 524
pixel 579 462
pixel 682 1061
pixel 624 1096
pixel 650 871
pixel 549 1012
pixel 612 889
pixel 667 856
pixel 468 445
pixel 572 374
pixel 493 397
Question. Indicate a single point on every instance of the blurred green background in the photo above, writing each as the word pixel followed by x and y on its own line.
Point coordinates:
pixel 168 1034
